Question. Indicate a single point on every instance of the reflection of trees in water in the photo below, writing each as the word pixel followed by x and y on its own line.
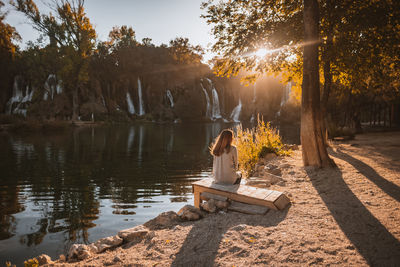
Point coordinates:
pixel 9 204
pixel 69 173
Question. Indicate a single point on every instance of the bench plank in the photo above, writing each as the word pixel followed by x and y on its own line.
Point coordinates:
pixel 241 193
pixel 248 209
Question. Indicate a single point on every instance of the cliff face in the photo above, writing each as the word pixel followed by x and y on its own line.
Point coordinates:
pixel 191 93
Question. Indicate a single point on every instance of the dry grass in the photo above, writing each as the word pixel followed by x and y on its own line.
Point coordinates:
pixel 255 143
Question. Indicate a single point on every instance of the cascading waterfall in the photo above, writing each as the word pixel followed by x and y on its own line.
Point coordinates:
pixel 208 112
pixel 19 98
pixel 236 112
pixel 16 97
pixel 52 86
pixel 170 97
pixel 216 112
pixel 141 107
pixel 131 107
pixel 286 93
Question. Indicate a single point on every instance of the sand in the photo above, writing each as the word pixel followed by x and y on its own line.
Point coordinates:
pixel 349 216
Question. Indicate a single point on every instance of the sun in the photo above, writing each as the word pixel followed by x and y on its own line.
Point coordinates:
pixel 261 53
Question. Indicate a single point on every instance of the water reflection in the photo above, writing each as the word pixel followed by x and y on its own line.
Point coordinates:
pixel 87 183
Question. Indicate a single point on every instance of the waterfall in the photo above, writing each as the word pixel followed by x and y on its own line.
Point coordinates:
pixel 171 99
pixel 52 86
pixel 141 108
pixel 131 107
pixel 16 97
pixel 215 110
pixel 19 98
pixel 252 119
pixel 208 112
pixel 254 92
pixel 286 93
pixel 59 88
pixel 236 112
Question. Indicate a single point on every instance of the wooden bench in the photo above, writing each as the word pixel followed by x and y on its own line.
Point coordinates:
pixel 241 193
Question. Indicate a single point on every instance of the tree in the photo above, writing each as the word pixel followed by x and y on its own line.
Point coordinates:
pixel 183 52
pixel 74 36
pixel 8 35
pixel 356 38
pixel 312 136
pixel 243 27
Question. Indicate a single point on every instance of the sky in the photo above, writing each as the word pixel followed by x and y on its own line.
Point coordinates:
pixel 160 20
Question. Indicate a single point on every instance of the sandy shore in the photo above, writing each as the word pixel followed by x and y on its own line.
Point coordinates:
pixel 349 216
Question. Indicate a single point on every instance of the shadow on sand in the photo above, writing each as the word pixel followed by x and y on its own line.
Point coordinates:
pixel 388 187
pixel 372 240
pixel 202 243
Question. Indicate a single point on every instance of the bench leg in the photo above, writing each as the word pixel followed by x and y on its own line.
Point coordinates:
pixel 197 199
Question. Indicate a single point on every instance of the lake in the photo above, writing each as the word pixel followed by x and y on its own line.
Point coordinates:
pixel 83 184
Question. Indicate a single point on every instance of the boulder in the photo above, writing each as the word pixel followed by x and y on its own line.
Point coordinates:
pixel 209 206
pixel 164 220
pixel 107 242
pixel 44 259
pixel 81 251
pixel 131 234
pixel 190 213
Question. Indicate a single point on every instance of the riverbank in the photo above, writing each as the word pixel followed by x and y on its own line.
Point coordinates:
pixel 345 216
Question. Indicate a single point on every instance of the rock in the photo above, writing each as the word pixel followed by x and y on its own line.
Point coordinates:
pixel 117 259
pixel 271 166
pixel 276 172
pixel 285 166
pixel 221 204
pixel 44 259
pixel 271 179
pixel 190 213
pixel 209 206
pixel 62 258
pixel 131 234
pixel 108 242
pixel 239 227
pixel 269 157
pixel 259 167
pixel 164 220
pixel 81 252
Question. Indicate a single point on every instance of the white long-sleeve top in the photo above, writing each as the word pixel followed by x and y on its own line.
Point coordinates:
pixel 225 167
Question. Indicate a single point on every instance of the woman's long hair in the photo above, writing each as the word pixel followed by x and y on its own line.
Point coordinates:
pixel 222 143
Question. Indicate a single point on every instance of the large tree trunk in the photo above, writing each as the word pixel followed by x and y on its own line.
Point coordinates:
pixel 312 137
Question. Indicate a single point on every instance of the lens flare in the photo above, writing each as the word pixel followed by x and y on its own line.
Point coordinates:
pixel 262 52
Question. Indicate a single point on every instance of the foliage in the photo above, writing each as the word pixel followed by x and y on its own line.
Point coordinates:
pixel 183 52
pixel 31 263
pixel 358 44
pixel 71 36
pixel 8 48
pixel 253 144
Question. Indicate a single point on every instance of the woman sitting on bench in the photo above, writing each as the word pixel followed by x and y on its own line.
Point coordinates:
pixel 225 163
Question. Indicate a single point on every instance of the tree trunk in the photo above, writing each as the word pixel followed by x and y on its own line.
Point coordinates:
pixel 312 137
